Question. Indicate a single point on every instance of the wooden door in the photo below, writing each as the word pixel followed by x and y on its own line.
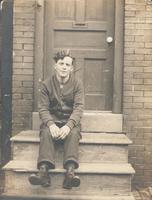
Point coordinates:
pixel 83 26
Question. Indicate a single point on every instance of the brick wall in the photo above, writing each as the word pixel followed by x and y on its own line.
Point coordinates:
pixel 137 100
pixel 23 63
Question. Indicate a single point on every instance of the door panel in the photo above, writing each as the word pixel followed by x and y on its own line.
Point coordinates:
pixel 70 39
pixel 95 10
pixel 83 26
pixel 64 9
pixel 94 92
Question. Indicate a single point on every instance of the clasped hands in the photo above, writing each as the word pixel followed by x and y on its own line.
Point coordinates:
pixel 59 133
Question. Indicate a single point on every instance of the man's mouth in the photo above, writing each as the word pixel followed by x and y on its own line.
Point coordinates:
pixel 63 71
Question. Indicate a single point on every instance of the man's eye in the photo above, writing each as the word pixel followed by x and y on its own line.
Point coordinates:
pixel 61 63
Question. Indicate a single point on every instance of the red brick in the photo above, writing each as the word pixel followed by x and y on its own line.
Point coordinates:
pixel 148 93
pixel 148 57
pixel 16 96
pixel 24 16
pixel 130 13
pixel 28 59
pixel 134 44
pixel 24 28
pixel 147 69
pixel 148 45
pixel 28 96
pixel 23 71
pixel 133 81
pixel 129 50
pixel 23 65
pixel 139 38
pixel 142 75
pixel 133 93
pixel 133 69
pixel 142 99
pixel 17 46
pixel 24 53
pixel 147 105
pixel 24 40
pixel 17 59
pixel 28 84
pixel 133 105
pixel 23 77
pixel 28 47
pixel 148 81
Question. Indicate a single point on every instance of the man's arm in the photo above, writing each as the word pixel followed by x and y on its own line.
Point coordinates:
pixel 76 115
pixel 44 112
pixel 44 104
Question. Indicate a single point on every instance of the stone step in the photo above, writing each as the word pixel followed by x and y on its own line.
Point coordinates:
pixel 14 196
pixel 92 121
pixel 96 179
pixel 94 147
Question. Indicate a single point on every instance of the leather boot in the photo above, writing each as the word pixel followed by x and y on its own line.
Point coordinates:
pixel 70 179
pixel 41 178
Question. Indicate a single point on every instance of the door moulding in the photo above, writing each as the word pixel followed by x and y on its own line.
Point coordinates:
pixel 118 57
pixel 39 49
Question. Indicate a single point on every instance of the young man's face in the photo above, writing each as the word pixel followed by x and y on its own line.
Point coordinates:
pixel 64 67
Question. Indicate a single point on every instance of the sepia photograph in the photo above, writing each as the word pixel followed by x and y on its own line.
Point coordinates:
pixel 75 99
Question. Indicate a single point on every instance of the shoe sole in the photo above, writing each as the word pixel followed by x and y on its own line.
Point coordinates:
pixel 69 183
pixel 76 181
pixel 35 181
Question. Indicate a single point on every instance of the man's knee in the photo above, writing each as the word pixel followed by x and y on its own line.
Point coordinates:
pixel 75 133
pixel 44 133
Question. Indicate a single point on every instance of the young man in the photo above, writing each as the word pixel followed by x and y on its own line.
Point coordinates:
pixel 61 108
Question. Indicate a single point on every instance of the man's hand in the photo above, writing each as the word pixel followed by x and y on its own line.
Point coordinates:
pixel 55 131
pixel 64 131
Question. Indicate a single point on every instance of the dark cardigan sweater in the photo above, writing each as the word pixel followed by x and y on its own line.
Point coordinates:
pixel 61 103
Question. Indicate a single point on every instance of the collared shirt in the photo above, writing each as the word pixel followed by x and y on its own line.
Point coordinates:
pixel 61 103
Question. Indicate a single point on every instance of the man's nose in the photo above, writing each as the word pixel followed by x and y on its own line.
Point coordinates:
pixel 64 66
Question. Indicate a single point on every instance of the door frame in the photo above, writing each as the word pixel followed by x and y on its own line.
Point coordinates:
pixel 118 53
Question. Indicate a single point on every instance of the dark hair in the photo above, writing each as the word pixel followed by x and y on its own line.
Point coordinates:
pixel 61 54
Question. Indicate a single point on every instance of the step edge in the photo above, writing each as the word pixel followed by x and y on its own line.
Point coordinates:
pixel 61 171
pixel 92 112
pixel 124 140
pixel 64 197
pixel 81 142
pixel 83 132
pixel 128 168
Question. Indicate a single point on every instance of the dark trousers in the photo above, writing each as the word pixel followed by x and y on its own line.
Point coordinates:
pixel 47 149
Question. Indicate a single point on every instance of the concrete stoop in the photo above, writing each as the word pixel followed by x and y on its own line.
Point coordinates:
pixel 104 170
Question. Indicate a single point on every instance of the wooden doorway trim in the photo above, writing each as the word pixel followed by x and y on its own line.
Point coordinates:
pixel 118 54
pixel 39 49
pixel 118 57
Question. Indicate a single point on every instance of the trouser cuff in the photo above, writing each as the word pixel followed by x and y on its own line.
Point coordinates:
pixel 71 160
pixel 50 164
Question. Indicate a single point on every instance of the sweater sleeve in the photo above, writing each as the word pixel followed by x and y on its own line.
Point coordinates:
pixel 76 115
pixel 44 113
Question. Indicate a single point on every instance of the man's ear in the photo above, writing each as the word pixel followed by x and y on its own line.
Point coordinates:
pixel 72 68
pixel 55 66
